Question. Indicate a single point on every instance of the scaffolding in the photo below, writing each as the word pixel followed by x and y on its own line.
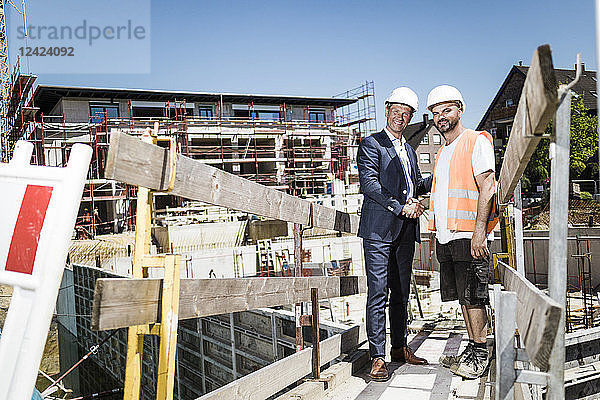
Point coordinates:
pixel 359 115
pixel 18 113
pixel 360 119
pixel 300 153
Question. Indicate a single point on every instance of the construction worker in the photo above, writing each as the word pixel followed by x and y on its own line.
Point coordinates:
pixel 390 181
pixel 461 215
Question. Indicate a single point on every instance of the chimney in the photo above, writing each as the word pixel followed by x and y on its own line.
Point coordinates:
pixel 520 63
pixel 582 67
pixel 425 119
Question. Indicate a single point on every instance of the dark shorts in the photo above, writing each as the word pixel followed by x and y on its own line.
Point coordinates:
pixel 463 277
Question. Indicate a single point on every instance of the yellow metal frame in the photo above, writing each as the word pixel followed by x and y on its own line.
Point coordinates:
pixel 510 255
pixel 167 328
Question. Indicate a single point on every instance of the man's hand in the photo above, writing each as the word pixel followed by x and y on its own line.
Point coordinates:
pixel 487 187
pixel 412 209
pixel 479 246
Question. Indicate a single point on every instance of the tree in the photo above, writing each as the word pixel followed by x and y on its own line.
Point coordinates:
pixel 583 149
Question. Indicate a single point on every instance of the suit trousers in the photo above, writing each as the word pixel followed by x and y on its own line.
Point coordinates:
pixel 389 268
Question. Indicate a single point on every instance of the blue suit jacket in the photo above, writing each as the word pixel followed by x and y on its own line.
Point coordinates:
pixel 384 186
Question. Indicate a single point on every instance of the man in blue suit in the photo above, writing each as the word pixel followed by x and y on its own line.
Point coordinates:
pixel 390 181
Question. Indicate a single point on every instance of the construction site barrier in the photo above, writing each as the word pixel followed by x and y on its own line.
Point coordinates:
pixel 39 206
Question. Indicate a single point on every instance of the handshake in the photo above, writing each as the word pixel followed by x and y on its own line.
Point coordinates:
pixel 414 208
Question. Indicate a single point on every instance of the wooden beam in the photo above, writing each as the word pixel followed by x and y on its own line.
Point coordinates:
pixel 142 164
pixel 269 380
pixel 537 317
pixel 119 303
pixel 330 218
pixel 537 105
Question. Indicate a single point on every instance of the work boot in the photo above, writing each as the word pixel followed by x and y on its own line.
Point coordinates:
pixel 405 354
pixel 474 365
pixel 449 361
pixel 379 371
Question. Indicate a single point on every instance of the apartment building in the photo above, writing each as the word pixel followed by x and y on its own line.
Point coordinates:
pixel 303 145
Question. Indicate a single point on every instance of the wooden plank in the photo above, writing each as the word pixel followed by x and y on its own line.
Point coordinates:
pixel 126 302
pixel 330 218
pixel 537 317
pixel 537 105
pixel 271 379
pixel 142 164
pixel 336 375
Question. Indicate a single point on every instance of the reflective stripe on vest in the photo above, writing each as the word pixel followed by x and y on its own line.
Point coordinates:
pixel 463 193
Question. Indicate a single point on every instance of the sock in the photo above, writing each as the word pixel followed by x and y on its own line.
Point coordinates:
pixel 481 348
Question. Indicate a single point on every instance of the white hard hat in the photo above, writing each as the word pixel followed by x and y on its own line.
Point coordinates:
pixel 442 94
pixel 404 95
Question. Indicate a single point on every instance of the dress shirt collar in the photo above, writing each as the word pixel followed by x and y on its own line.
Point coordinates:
pixel 392 137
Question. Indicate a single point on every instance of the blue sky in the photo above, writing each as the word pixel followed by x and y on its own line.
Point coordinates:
pixel 320 48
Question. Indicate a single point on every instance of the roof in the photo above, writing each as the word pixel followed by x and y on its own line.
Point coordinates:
pixel 585 86
pixel 414 132
pixel 47 96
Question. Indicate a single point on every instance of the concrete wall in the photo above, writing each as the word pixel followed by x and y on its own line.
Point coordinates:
pixel 536 255
pixel 76 110
pixel 205 351
pixel 259 230
pixel 67 330
pixel 123 108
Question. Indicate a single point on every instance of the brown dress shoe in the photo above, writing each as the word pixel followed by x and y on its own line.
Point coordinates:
pixel 405 354
pixel 379 371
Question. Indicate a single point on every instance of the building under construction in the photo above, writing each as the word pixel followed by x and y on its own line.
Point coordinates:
pixel 303 145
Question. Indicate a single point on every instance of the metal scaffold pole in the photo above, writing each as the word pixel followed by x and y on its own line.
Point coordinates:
pixel 518 218
pixel 598 83
pixel 559 209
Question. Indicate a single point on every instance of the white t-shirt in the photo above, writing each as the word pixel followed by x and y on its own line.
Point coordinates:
pixel 482 161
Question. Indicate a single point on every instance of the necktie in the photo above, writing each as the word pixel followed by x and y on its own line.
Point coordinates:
pixel 405 168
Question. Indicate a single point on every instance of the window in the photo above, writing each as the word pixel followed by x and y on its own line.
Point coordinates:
pixel 101 111
pixel 437 138
pixel 257 114
pixel 509 102
pixel 316 116
pixel 148 112
pixel 425 174
pixel 268 115
pixel 424 158
pixel 205 112
pixel 425 139
pixel 508 129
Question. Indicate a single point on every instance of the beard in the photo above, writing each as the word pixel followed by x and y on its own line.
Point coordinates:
pixel 447 126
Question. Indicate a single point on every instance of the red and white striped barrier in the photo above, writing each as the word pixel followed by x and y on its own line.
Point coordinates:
pixel 38 210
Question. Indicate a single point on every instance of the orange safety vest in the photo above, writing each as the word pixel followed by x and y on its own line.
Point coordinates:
pixel 463 192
